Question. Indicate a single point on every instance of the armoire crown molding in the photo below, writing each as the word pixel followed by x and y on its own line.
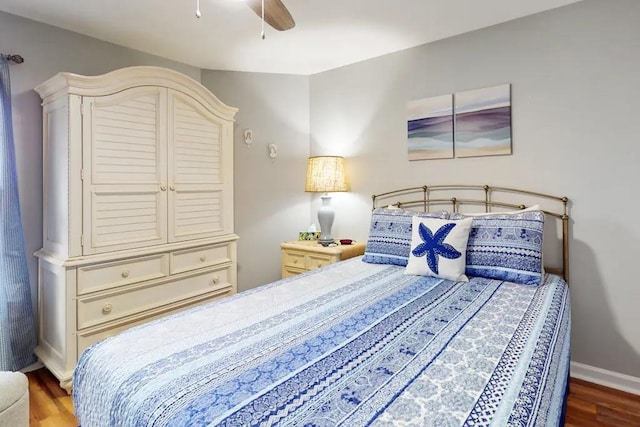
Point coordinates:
pixel 65 83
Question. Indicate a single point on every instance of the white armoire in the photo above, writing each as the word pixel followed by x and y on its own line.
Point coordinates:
pixel 138 205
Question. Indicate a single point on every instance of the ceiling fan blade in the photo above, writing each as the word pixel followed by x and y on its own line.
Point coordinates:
pixel 276 13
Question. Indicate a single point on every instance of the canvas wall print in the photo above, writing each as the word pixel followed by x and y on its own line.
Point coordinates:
pixel 483 122
pixel 430 128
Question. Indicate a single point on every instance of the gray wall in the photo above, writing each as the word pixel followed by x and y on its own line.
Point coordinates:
pixel 270 203
pixel 575 75
pixel 48 50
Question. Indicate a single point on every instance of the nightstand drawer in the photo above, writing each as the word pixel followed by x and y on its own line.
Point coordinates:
pixel 294 259
pixel 110 275
pixel 291 271
pixel 95 310
pixel 317 261
pixel 301 256
pixel 193 259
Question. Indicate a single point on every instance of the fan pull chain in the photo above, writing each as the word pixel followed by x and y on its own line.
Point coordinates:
pixel 262 19
pixel 198 13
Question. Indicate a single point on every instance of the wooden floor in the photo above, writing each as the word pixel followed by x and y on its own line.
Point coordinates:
pixel 49 405
pixel 589 405
pixel 594 405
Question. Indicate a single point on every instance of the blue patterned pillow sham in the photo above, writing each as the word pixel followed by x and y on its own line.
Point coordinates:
pixel 506 247
pixel 389 239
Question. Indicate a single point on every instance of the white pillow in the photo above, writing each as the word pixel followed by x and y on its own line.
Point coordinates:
pixel 530 208
pixel 439 248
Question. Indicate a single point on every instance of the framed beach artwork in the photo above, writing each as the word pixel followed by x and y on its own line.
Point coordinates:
pixel 483 122
pixel 430 128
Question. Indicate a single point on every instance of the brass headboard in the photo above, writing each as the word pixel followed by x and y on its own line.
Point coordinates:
pixel 452 197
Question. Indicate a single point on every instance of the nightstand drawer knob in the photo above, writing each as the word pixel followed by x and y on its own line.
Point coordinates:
pixel 203 258
pixel 125 274
pixel 295 261
pixel 107 309
pixel 215 280
pixel 319 264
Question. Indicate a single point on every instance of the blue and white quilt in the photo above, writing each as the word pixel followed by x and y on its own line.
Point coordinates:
pixel 353 344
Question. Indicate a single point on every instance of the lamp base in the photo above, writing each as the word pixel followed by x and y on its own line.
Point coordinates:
pixel 326 242
pixel 326 213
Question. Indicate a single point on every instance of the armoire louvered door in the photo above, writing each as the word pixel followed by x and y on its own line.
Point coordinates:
pixel 199 206
pixel 124 170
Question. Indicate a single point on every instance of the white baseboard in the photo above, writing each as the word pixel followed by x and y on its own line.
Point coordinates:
pixel 606 378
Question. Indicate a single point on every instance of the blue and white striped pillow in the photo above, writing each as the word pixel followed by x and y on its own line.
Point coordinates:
pixel 506 247
pixel 389 239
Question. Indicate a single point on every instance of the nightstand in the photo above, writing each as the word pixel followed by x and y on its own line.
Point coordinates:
pixel 299 256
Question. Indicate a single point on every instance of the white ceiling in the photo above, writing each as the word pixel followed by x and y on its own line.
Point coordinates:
pixel 328 33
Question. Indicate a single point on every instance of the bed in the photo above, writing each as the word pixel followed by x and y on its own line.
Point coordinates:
pixel 360 342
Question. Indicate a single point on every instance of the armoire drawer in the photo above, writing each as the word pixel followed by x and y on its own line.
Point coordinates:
pixel 195 258
pixel 99 277
pixel 85 339
pixel 106 307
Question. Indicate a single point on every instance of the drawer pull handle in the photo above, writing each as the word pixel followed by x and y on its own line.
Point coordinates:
pixel 215 280
pixel 203 258
pixel 107 309
pixel 125 274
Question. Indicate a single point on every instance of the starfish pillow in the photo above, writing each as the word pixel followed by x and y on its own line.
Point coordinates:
pixel 438 248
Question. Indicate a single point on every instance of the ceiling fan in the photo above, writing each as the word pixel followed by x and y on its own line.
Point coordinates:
pixel 273 12
pixel 276 13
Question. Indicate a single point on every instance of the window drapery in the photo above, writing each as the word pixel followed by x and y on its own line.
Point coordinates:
pixel 17 331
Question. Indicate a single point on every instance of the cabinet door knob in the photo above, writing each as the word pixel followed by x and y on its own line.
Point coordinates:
pixel 215 280
pixel 163 187
pixel 125 273
pixel 172 188
pixel 107 309
pixel 203 258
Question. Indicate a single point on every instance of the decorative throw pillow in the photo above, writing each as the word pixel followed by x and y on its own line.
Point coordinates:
pixel 530 208
pixel 506 247
pixel 389 239
pixel 438 248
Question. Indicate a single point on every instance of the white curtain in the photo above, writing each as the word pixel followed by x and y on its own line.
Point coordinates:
pixel 17 332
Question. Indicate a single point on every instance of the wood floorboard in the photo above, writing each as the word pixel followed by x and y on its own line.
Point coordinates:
pixel 588 405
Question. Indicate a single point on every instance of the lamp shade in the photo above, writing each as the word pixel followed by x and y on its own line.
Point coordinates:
pixel 326 174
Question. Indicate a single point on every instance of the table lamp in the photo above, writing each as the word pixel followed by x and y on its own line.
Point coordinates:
pixel 326 174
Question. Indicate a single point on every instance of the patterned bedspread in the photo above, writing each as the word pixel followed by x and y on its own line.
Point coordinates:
pixel 353 344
